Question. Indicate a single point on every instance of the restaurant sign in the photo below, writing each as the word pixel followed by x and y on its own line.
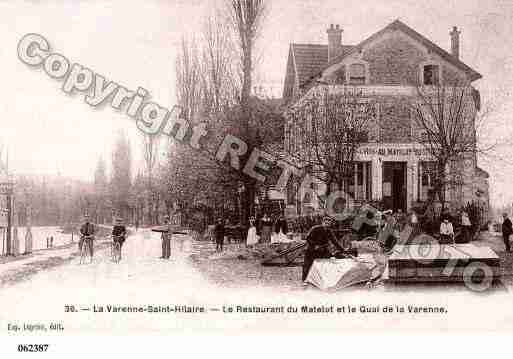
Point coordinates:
pixel 392 151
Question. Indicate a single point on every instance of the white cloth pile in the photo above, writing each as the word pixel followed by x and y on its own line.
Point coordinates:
pixel 334 274
pixel 280 238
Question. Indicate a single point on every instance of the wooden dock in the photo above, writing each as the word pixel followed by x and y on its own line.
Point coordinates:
pixel 441 263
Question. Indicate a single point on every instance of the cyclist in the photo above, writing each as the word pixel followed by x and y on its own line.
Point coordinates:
pixel 119 233
pixel 87 234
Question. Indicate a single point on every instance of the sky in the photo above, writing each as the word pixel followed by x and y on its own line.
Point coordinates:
pixel 134 44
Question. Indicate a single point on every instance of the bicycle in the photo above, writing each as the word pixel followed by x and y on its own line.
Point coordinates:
pixel 115 250
pixel 86 249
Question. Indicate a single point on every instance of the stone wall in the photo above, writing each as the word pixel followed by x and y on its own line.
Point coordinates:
pixel 393 61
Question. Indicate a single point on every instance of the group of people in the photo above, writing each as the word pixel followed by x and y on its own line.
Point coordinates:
pixel 447 230
pixel 261 230
pixel 399 220
pixel 267 231
pixel 89 229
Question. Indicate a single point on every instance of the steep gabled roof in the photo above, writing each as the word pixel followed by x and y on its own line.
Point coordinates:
pixel 399 25
pixel 310 58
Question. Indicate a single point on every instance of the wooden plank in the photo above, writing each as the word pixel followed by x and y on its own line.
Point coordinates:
pixel 440 255
pixel 435 272
pixel 165 229
pixel 287 256
pixel 419 252
pixel 414 263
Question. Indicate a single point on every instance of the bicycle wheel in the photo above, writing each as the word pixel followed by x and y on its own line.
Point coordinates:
pixel 83 252
pixel 90 247
pixel 116 252
pixel 113 251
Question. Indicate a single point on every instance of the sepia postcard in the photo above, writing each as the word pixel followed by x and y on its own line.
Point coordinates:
pixel 254 166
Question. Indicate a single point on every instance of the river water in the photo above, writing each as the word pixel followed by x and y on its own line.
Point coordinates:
pixel 39 235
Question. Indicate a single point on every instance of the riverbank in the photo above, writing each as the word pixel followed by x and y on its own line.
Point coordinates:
pixel 14 269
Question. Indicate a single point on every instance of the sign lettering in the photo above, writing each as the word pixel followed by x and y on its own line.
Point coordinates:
pixel 383 151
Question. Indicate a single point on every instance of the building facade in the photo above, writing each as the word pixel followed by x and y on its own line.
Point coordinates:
pixel 389 71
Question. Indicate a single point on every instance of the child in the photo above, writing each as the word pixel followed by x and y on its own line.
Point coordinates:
pixel 446 232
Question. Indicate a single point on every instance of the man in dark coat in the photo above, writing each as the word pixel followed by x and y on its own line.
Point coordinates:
pixel 219 231
pixel 166 239
pixel 87 230
pixel 302 224
pixel 281 225
pixel 506 231
pixel 119 233
pixel 319 240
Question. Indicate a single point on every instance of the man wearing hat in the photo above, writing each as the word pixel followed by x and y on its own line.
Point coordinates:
pixel 87 230
pixel 166 240
pixel 219 232
pixel 319 239
pixel 507 230
pixel 119 233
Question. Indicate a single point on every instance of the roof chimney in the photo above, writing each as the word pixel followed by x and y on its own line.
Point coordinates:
pixel 455 42
pixel 334 41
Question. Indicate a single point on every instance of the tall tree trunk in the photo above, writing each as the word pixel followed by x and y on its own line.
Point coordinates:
pixel 440 190
pixel 246 83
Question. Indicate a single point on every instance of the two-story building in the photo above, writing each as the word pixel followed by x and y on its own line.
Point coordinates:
pixel 388 68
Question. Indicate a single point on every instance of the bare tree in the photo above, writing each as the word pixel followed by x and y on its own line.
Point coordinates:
pixel 326 132
pixel 217 93
pixel 445 120
pixel 150 144
pixel 121 176
pixel 247 18
pixel 219 87
pixel 188 78
pixel 101 191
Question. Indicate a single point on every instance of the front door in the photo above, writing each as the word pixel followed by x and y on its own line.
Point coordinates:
pixel 394 185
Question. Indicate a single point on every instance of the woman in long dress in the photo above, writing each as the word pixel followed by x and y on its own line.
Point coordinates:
pixel 266 229
pixel 252 238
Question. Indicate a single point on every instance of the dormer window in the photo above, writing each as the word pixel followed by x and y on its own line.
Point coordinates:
pixel 357 74
pixel 431 75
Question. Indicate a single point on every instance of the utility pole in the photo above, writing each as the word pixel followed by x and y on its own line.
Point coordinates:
pixel 6 189
pixel 8 250
pixel 28 228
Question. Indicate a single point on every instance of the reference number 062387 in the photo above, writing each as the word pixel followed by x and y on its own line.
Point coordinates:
pixel 32 347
